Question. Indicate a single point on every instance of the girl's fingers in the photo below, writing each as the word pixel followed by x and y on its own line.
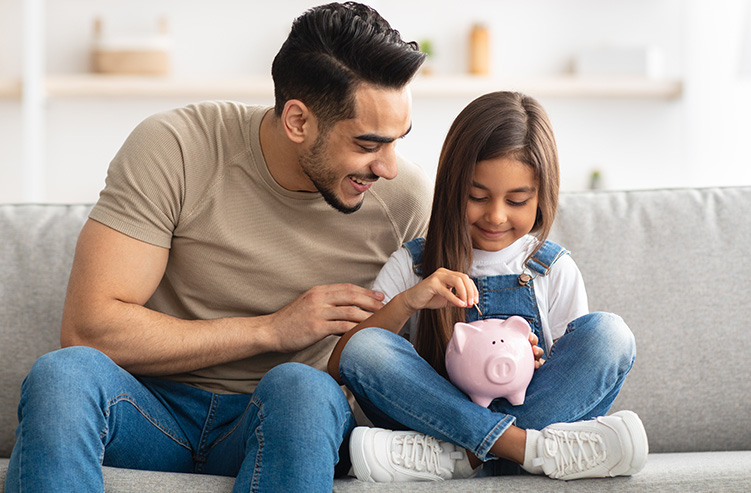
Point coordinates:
pixel 463 287
pixel 533 340
pixel 457 288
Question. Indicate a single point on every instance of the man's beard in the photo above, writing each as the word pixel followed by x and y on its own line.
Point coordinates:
pixel 313 164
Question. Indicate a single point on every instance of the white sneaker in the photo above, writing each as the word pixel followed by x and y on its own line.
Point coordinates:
pixel 385 456
pixel 614 445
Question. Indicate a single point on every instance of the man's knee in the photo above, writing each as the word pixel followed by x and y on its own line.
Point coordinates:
pixel 73 365
pixel 296 396
pixel 298 383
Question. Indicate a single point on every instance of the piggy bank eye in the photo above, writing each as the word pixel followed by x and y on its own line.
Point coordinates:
pixel 493 342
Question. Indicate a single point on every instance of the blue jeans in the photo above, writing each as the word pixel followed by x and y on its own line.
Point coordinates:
pixel 79 410
pixel 397 389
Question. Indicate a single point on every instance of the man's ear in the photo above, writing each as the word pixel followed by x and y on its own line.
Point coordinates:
pixel 298 121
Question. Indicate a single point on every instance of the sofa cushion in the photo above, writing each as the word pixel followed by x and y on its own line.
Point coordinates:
pixel 698 471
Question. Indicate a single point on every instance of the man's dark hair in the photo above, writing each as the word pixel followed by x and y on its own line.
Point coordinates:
pixel 331 50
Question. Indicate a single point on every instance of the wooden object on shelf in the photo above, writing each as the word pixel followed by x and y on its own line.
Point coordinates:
pixel 479 50
pixel 136 56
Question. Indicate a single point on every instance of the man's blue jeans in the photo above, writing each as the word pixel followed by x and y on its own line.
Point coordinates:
pixel 79 410
pixel 399 390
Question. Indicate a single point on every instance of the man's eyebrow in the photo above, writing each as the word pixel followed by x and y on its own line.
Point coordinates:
pixel 380 138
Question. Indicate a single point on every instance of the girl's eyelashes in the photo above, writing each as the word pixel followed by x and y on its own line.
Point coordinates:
pixel 518 204
pixel 512 203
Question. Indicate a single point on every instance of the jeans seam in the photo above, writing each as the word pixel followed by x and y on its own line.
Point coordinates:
pixel 485 446
pixel 229 432
pixel 127 398
pixel 201 453
pixel 254 486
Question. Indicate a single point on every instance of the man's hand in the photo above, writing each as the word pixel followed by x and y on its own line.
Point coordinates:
pixel 322 311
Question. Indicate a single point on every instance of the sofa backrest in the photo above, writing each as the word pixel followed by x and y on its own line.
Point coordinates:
pixel 675 265
pixel 36 253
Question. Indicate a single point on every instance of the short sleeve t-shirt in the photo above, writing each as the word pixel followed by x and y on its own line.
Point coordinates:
pixel 194 180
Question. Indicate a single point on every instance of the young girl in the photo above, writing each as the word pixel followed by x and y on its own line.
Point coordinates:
pixel 486 255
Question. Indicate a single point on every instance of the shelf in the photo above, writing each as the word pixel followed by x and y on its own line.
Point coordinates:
pixel 120 86
pixel 560 86
pixel 97 85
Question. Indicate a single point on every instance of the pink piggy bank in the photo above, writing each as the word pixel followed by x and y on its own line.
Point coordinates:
pixel 491 358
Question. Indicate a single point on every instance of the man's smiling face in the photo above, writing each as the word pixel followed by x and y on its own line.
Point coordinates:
pixel 345 161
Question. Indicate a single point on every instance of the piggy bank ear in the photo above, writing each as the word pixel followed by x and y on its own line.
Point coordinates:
pixel 462 332
pixel 518 325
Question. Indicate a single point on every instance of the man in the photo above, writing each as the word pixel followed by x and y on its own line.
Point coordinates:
pixel 230 244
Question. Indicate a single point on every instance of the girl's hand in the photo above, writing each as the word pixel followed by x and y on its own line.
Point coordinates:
pixel 536 350
pixel 441 289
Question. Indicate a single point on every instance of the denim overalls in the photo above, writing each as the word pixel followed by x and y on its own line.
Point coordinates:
pixel 503 296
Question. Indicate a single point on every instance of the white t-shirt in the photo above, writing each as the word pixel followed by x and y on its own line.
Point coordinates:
pixel 561 295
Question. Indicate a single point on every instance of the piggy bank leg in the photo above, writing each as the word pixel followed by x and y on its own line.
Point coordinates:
pixel 516 399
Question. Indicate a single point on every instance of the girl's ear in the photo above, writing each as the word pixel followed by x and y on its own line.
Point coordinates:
pixel 297 120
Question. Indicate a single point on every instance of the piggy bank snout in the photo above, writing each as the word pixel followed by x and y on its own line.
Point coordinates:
pixel 500 370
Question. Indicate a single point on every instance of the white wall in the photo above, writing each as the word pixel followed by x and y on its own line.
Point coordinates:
pixel 698 139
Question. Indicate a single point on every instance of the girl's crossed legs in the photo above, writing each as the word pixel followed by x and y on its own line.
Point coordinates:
pixel 398 390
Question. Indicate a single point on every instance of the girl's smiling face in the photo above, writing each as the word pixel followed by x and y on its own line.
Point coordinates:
pixel 502 205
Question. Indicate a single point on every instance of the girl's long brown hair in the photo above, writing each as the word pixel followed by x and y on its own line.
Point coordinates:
pixel 499 124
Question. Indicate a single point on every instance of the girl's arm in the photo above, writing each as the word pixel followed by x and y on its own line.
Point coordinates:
pixel 440 289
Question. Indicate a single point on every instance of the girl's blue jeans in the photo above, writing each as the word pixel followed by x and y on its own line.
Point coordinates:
pixel 399 390
pixel 79 410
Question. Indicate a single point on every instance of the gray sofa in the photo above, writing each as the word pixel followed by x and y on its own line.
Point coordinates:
pixel 674 263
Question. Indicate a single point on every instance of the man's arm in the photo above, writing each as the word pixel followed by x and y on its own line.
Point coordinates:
pixel 114 275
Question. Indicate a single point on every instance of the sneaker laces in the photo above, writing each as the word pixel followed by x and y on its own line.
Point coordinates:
pixel 574 451
pixel 418 452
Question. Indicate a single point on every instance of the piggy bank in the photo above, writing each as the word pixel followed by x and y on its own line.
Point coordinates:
pixel 491 358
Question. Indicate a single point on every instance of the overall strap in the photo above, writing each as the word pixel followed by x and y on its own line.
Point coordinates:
pixel 545 257
pixel 416 249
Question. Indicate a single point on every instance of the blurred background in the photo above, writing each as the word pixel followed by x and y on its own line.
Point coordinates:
pixel 641 93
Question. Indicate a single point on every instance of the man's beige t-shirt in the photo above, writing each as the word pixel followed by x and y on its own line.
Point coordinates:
pixel 194 180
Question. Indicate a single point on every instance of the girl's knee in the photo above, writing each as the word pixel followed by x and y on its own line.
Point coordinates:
pixel 607 334
pixel 372 345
